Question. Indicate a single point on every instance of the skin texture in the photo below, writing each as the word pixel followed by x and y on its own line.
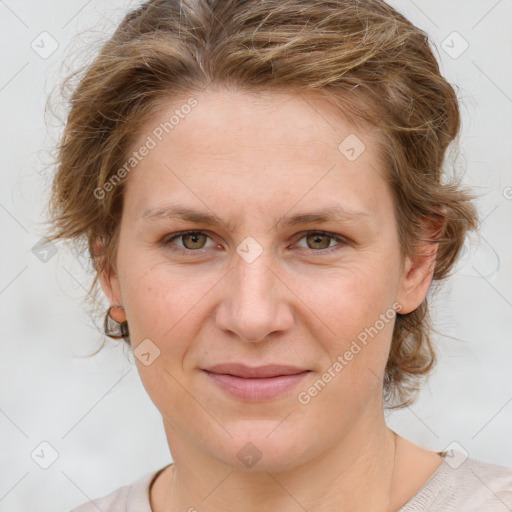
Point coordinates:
pixel 252 160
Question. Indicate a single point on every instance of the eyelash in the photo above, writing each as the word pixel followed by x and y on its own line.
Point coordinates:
pixel 167 241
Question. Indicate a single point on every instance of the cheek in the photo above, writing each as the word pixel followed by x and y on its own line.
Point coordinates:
pixel 352 315
pixel 163 301
pixel 162 306
pixel 351 296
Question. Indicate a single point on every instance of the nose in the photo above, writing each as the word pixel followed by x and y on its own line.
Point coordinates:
pixel 255 301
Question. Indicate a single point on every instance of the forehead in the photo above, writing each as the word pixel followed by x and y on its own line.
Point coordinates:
pixel 271 146
pixel 222 119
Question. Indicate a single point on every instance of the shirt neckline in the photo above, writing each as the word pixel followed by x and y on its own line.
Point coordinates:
pixel 139 495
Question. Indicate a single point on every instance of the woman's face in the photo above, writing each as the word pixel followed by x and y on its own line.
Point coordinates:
pixel 267 284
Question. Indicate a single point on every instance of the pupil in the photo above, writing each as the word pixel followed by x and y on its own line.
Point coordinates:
pixel 194 238
pixel 317 239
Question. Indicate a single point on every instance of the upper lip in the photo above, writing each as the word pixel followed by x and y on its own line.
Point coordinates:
pixel 241 370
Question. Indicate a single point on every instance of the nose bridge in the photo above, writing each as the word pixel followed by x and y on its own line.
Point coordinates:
pixel 253 306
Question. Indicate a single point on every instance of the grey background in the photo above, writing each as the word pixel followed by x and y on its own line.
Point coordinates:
pixel 94 412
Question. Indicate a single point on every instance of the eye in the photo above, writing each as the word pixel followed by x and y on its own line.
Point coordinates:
pixel 320 240
pixel 194 241
pixel 191 240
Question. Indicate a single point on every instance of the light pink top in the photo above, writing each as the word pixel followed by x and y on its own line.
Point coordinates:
pixel 460 484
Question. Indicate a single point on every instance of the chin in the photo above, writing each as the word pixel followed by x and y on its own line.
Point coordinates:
pixel 264 448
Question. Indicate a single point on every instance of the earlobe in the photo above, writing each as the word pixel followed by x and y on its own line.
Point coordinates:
pixel 117 313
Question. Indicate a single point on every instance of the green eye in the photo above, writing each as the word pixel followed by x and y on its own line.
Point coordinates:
pixel 195 241
pixel 318 240
pixel 191 240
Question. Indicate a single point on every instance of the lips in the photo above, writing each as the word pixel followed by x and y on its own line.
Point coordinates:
pixel 255 384
pixel 259 372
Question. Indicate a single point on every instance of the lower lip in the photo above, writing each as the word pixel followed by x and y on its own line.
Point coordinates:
pixel 256 389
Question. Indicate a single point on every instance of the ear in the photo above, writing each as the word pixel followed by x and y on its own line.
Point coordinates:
pixel 109 281
pixel 419 267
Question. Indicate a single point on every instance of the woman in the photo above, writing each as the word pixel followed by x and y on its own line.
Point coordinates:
pixel 260 187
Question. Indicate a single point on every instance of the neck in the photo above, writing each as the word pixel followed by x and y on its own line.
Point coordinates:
pixel 355 474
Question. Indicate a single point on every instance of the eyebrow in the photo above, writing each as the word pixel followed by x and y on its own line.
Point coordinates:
pixel 334 213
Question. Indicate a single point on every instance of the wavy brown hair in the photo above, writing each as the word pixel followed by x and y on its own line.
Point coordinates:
pixel 363 56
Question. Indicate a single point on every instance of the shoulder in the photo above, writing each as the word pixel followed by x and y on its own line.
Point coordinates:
pixel 464 484
pixel 133 497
